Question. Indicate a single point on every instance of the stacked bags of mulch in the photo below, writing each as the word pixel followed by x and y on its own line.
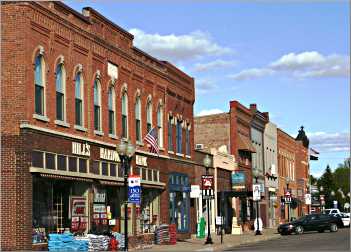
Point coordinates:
pixel 162 234
pixel 98 242
pixel 66 242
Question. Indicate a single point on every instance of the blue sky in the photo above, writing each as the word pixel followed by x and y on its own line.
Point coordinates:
pixel 291 59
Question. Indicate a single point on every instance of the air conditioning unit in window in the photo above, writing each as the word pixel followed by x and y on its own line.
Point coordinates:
pixel 199 146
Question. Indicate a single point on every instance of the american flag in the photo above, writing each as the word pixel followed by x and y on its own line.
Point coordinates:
pixel 151 139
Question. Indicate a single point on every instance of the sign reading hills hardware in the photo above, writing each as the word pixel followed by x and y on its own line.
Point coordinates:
pixel 207 182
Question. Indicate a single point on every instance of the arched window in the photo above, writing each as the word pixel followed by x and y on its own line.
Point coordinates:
pixel 124 115
pixel 160 126
pixel 39 85
pixel 79 99
pixel 97 105
pixel 138 119
pixel 111 110
pixel 149 116
pixel 60 92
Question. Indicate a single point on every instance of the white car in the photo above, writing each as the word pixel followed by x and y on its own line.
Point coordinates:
pixel 345 219
pixel 332 211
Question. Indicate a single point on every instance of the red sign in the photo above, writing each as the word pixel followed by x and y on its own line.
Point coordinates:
pixel 78 206
pixel 207 182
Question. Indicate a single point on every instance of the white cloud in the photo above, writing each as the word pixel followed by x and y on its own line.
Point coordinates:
pixel 202 67
pixel 204 85
pixel 178 47
pixel 209 112
pixel 252 73
pixel 310 64
pixel 329 142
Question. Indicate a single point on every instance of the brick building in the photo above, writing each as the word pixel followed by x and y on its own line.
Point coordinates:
pixel 74 86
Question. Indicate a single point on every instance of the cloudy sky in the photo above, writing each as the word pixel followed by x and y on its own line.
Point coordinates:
pixel 291 59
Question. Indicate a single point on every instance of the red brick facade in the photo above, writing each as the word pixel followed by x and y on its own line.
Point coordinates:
pixel 87 41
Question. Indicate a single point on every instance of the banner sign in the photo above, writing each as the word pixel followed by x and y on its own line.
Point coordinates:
pixel 78 206
pixel 238 180
pixel 134 189
pixel 207 182
pixel 99 195
pixel 256 192
pixel 308 199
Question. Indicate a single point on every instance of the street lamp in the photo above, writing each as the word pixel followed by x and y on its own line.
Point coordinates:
pixel 207 163
pixel 287 189
pixel 125 151
pixel 258 232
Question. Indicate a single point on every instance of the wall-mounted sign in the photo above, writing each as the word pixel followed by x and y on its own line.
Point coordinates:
pixel 78 206
pixel 256 192
pixel 112 70
pixel 108 154
pixel 308 199
pixel 99 208
pixel 207 182
pixel 99 195
pixel 195 191
pixel 238 180
pixel 141 160
pixel 81 149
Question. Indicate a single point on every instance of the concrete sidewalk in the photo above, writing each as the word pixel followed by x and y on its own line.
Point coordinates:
pixel 229 241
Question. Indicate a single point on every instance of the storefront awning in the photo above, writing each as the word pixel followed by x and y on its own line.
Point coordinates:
pixel 54 176
pixel 244 144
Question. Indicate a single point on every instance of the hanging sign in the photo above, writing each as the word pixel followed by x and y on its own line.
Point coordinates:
pixel 207 182
pixel 308 199
pixel 256 192
pixel 238 180
pixel 134 189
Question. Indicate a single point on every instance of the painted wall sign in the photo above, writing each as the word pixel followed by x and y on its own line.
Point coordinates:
pixel 108 154
pixel 81 149
pixel 141 160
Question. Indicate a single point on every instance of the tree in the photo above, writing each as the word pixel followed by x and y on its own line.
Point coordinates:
pixel 328 183
pixel 313 180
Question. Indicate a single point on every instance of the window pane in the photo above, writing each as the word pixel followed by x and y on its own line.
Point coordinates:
pixel 124 104
pixel 113 169
pixel 59 106
pixel 148 113
pixel 149 174
pixel 155 176
pixel 38 71
pixel 170 138
pixel 144 171
pixel 124 126
pixel 50 161
pixel 104 168
pixel 94 167
pixel 110 99
pixel 59 79
pixel 137 127
pixel 97 92
pixel 61 163
pixel 39 100
pixel 72 164
pixel 97 117
pixel 78 86
pixel 137 108
pixel 78 112
pixel 148 127
pixel 159 117
pixel 111 122
pixel 82 165
pixel 38 159
pixel 120 171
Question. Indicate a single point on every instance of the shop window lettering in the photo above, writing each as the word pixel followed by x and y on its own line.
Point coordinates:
pixel 107 154
pixel 81 149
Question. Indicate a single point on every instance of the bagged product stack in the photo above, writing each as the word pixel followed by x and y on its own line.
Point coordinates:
pixel 66 242
pixel 172 234
pixel 98 242
pixel 162 234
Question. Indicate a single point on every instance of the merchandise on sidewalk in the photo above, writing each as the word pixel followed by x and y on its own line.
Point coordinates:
pixel 120 239
pixel 66 242
pixel 162 234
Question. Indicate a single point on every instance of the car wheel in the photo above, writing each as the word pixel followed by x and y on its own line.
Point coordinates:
pixel 333 227
pixel 299 230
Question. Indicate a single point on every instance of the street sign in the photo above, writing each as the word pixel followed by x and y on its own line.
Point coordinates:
pixel 207 182
pixel 134 189
pixel 219 220
pixel 308 199
pixel 256 192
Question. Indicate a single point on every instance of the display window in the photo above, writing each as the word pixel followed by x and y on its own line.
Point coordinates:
pixel 149 211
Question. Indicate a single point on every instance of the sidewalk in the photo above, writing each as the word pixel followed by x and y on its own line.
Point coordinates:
pixel 228 242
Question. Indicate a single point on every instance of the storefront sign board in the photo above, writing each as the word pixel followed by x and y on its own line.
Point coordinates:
pixel 207 182
pixel 78 206
pixel 195 191
pixel 99 208
pixel 134 190
pixel 108 154
pixel 238 180
pixel 81 149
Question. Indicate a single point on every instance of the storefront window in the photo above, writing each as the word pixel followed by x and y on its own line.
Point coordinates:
pixel 104 168
pixel 37 159
pixel 83 165
pixel 113 170
pixel 72 164
pixel 94 167
pixel 61 162
pixel 150 210
pixel 50 161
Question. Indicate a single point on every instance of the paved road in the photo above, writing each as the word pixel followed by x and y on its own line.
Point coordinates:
pixel 312 241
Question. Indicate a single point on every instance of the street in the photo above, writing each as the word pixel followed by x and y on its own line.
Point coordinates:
pixel 311 241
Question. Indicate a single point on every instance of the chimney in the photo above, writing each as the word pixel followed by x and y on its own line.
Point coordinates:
pixel 253 107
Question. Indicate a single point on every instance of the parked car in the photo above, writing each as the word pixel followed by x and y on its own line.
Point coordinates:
pixel 345 217
pixel 312 222
pixel 332 211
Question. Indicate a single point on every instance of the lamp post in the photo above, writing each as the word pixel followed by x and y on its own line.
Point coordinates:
pixel 287 189
pixel 258 232
pixel 125 151
pixel 207 163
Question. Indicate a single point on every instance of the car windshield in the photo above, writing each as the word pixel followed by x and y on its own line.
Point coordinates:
pixel 327 211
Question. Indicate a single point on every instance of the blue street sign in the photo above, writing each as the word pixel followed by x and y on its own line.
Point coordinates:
pixel 134 190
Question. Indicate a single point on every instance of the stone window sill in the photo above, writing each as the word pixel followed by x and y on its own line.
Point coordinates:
pixel 98 132
pixel 180 154
pixel 113 136
pixel 41 118
pixel 62 123
pixel 80 128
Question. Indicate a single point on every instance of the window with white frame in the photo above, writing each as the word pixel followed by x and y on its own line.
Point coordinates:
pixel 138 119
pixel 97 105
pixel 187 139
pixel 160 126
pixel 39 80
pixel 149 116
pixel 79 99
pixel 124 114
pixel 60 92
pixel 179 136
pixel 170 133
pixel 111 110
